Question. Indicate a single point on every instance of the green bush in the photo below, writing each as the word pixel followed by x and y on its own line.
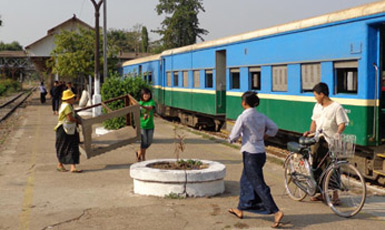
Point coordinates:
pixel 116 86
pixel 9 86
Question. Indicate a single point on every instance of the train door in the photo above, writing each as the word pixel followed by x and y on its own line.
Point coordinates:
pixel 220 87
pixel 381 81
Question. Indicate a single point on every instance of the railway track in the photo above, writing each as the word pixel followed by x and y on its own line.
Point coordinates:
pixel 10 106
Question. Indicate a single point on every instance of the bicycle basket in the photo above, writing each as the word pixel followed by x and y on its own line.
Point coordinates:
pixel 344 147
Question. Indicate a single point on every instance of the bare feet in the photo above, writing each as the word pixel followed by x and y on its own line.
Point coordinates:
pixel 236 212
pixel 277 219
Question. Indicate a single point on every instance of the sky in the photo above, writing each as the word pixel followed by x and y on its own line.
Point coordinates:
pixel 26 21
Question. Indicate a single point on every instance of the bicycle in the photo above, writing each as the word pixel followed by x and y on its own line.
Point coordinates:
pixel 340 177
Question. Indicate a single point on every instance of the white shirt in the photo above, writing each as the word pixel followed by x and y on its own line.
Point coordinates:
pixel 329 118
pixel 252 126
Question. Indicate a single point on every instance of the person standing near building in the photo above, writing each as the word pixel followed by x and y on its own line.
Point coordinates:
pixel 43 92
pixel 254 128
pixel 55 97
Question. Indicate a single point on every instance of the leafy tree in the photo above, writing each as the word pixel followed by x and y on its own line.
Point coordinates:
pixel 144 40
pixel 74 53
pixel 124 40
pixel 181 28
pixel 14 46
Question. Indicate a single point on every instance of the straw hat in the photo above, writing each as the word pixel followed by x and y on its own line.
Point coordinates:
pixel 68 94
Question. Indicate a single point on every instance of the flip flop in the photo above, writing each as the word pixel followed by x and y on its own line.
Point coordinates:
pixel 232 211
pixel 61 170
pixel 76 171
pixel 317 198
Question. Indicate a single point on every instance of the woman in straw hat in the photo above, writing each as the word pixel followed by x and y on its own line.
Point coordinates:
pixel 67 136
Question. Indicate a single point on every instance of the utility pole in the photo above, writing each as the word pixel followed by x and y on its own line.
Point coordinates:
pixel 105 71
pixel 97 98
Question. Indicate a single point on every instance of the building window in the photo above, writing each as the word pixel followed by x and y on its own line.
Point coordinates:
pixel 209 79
pixel 196 79
pixel 310 76
pixel 185 79
pixel 279 78
pixel 169 79
pixel 346 74
pixel 176 79
pixel 255 78
pixel 235 78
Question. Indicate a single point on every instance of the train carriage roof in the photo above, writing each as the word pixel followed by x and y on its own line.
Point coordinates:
pixel 356 12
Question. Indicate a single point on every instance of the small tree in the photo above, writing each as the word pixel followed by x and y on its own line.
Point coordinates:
pixel 144 40
pixel 182 27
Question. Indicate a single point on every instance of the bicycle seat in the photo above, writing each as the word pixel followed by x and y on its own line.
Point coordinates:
pixel 307 141
pixel 295 147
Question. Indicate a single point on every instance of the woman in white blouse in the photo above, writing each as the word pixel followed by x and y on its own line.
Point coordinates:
pixel 254 127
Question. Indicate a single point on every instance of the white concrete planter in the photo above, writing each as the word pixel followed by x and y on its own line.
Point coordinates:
pixel 193 183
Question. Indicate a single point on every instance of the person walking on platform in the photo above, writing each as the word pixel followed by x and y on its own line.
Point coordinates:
pixel 67 136
pixel 43 92
pixel 254 128
pixel 147 106
pixel 55 97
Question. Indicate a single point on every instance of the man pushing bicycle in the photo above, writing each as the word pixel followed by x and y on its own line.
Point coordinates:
pixel 329 118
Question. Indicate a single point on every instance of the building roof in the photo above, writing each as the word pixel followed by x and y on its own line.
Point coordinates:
pixel 56 29
pixel 14 54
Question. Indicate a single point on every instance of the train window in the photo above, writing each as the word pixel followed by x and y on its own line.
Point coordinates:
pixel 185 79
pixel 280 78
pixel 310 76
pixel 209 79
pixel 176 79
pixel 235 78
pixel 196 79
pixel 255 78
pixel 149 77
pixel 169 79
pixel 346 74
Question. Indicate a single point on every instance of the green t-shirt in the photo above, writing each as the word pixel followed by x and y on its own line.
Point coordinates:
pixel 147 117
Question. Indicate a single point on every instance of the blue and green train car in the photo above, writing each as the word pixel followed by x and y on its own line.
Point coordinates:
pixel 202 83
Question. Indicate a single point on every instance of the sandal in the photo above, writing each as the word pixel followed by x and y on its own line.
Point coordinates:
pixel 61 169
pixel 235 213
pixel 336 202
pixel 76 171
pixel 317 198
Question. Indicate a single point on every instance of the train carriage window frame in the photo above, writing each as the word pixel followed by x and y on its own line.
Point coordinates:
pixel 235 78
pixel 196 79
pixel 185 78
pixel 279 78
pixel 209 79
pixel 346 77
pixel 310 76
pixel 175 76
pixel 255 78
pixel 169 79
pixel 148 76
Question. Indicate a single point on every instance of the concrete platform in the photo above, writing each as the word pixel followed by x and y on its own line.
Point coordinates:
pixel 33 195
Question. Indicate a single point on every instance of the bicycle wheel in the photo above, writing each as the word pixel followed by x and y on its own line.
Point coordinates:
pixel 345 189
pixel 294 165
